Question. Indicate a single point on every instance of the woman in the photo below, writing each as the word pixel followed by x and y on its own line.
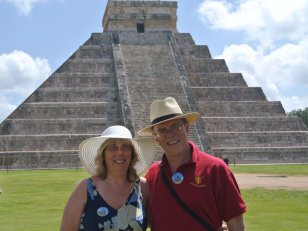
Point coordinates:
pixel 114 197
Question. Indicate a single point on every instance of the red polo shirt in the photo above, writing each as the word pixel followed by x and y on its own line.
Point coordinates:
pixel 209 188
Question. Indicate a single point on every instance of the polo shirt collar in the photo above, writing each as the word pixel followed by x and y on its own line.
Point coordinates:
pixel 195 153
pixel 194 157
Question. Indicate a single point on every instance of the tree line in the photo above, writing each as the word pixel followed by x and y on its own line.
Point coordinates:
pixel 303 114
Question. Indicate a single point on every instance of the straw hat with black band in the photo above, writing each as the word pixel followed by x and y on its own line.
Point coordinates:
pixel 144 147
pixel 166 110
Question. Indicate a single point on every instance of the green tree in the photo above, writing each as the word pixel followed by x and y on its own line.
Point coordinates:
pixel 303 114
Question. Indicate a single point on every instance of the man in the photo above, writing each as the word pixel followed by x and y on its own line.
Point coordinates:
pixel 203 182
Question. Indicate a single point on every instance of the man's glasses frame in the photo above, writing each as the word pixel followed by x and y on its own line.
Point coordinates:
pixel 174 129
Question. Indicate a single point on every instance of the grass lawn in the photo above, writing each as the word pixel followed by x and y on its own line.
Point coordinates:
pixel 282 210
pixel 286 169
pixel 34 200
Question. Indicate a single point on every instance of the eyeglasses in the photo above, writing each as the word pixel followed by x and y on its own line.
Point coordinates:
pixel 163 132
pixel 123 147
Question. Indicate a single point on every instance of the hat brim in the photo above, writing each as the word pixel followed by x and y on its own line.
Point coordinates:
pixel 190 117
pixel 145 149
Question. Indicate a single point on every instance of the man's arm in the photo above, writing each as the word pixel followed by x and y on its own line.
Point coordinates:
pixel 236 224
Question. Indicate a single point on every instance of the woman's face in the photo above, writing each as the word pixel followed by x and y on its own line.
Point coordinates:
pixel 118 155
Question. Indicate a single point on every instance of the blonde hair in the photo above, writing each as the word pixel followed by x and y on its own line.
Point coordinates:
pixel 101 168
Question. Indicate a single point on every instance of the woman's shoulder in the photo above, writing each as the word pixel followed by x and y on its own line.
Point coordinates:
pixel 142 180
pixel 80 191
pixel 81 185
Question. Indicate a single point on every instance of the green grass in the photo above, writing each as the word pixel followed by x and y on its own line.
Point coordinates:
pixel 281 210
pixel 34 200
pixel 286 169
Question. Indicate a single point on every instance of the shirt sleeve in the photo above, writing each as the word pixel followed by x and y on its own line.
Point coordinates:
pixel 230 201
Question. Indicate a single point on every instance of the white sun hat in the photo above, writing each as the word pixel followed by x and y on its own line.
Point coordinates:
pixel 145 149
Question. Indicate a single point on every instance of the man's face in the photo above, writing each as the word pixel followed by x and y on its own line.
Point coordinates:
pixel 172 136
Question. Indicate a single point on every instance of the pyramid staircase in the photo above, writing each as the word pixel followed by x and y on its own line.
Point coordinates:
pixel 113 78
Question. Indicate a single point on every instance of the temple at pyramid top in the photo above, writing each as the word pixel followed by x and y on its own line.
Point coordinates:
pixel 140 16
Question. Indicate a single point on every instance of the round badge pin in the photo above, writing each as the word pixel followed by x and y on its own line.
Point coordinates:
pixel 102 211
pixel 177 178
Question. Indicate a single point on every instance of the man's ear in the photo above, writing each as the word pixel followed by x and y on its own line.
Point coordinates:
pixel 155 139
pixel 186 126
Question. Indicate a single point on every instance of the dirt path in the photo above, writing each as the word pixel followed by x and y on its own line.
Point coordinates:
pixel 246 181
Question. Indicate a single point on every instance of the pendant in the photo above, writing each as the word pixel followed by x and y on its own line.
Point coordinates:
pixel 102 211
pixel 177 178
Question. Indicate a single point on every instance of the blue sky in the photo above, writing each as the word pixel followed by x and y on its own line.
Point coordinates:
pixel 265 40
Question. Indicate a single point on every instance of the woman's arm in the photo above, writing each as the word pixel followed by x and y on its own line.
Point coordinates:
pixel 145 189
pixel 74 208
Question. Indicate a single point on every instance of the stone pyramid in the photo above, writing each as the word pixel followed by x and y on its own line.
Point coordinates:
pixel 115 75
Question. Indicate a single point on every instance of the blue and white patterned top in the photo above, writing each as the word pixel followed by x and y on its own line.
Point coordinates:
pixel 98 215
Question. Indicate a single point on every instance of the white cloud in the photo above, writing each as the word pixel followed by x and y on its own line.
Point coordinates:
pixel 25 6
pixel 265 21
pixel 277 73
pixel 20 75
pixel 277 60
pixel 5 107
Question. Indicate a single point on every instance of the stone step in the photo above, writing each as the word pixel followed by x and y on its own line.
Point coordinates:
pixel 42 142
pixel 64 80
pixel 246 124
pixel 151 61
pixel 258 139
pixel 40 159
pixel 267 155
pixel 66 110
pixel 56 126
pixel 147 39
pixel 184 39
pixel 228 93
pixel 101 39
pixel 94 52
pixel 223 79
pixel 240 108
pixel 100 94
pixel 195 51
pixel 199 65
pixel 87 66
